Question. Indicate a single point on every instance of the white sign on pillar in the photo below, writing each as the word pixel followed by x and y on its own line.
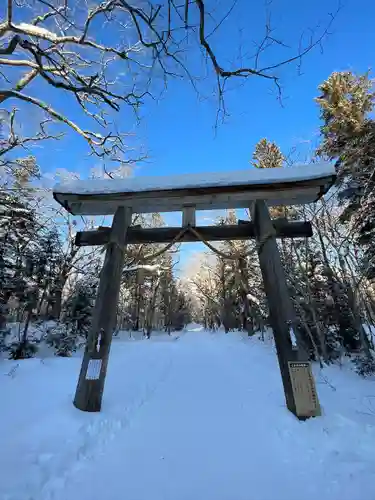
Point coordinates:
pixel 93 369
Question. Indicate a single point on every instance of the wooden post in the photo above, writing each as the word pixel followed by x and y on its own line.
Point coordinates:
pixel 139 235
pixel 188 217
pixel 279 302
pixel 91 380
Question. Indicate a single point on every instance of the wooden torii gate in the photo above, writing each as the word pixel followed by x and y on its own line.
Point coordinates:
pixel 255 189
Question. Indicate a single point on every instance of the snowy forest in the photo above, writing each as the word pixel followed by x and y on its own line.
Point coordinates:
pixel 48 284
pixel 196 383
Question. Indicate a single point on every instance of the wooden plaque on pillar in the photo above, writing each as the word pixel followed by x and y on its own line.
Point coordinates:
pixel 304 390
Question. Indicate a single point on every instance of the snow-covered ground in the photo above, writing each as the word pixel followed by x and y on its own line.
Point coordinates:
pixel 195 417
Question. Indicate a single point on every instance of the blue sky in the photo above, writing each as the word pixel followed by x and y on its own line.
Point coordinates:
pixel 178 130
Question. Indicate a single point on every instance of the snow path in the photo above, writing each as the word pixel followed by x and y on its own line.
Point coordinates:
pixel 51 438
pixel 200 418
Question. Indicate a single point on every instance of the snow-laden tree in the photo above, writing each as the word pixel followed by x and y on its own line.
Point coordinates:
pixel 150 297
pixel 267 154
pixel 324 281
pixel 19 229
pixel 348 136
pixel 67 335
pixel 229 291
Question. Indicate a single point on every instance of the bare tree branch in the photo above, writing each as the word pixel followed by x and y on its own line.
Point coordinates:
pixel 9 11
pixel 59 47
pixel 11 46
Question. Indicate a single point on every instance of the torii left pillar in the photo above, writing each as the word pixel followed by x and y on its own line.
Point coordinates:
pixel 89 392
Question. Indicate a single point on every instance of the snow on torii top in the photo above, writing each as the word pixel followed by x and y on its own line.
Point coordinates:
pixel 204 191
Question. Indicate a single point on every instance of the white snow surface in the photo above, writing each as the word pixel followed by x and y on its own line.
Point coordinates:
pixel 190 417
pixel 208 179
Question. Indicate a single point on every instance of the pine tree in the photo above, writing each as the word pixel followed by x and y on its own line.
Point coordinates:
pixel 79 306
pixel 67 335
pixel 17 227
pixel 346 100
pixel 348 136
pixel 47 262
pixel 18 235
pixel 267 155
pixel 181 311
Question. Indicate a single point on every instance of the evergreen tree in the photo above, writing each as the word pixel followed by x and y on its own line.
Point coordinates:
pixel 17 228
pixel 79 306
pixel 348 136
pixel 67 335
pixel 18 236
pixel 267 155
pixel 47 262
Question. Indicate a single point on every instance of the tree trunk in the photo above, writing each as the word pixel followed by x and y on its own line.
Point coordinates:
pixel 63 277
pixel 58 294
pixel 151 311
pixel 137 307
pixel 26 325
pixel 42 298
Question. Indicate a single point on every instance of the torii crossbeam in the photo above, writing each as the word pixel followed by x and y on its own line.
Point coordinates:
pixel 255 189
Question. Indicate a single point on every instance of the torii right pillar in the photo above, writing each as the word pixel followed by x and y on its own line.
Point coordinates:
pixel 299 386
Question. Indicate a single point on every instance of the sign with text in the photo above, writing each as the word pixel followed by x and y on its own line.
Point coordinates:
pixel 93 369
pixel 303 384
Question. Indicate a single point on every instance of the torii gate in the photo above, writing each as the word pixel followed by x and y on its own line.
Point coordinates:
pixel 255 189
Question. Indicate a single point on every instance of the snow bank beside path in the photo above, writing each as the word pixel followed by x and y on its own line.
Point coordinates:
pixel 202 417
